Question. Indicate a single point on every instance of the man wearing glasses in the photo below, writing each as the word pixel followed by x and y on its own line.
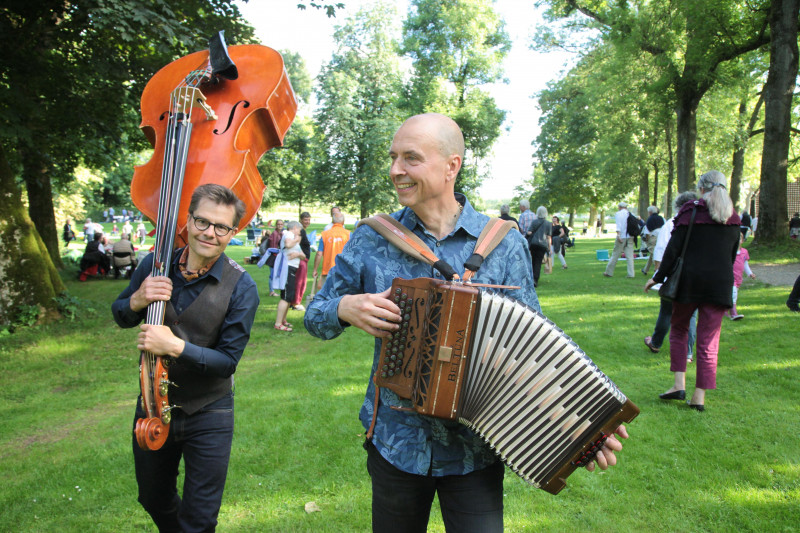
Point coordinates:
pixel 211 306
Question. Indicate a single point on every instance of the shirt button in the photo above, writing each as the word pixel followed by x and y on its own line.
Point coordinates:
pixel 438 243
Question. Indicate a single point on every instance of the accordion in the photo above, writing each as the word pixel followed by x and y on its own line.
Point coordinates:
pixel 505 371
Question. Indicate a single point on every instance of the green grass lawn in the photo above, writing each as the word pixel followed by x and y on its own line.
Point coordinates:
pixel 69 389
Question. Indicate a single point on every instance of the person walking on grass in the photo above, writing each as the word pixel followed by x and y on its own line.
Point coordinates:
pixel 741 268
pixel 661 329
pixel 211 305
pixel 705 284
pixel 623 242
pixel 650 233
pixel 559 237
pixel 793 302
pixel 412 458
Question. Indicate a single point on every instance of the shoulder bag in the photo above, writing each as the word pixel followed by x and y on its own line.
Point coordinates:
pixel 669 289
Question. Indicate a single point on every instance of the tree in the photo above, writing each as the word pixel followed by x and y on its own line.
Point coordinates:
pixel 601 133
pixel 288 171
pixel 70 78
pixel 455 49
pixel 72 72
pixel 687 41
pixel 29 276
pixel 358 114
pixel 778 91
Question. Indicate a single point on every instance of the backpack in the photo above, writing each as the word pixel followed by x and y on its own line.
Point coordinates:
pixel 633 228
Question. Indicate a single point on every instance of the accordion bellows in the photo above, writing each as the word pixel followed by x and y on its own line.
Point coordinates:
pixel 504 370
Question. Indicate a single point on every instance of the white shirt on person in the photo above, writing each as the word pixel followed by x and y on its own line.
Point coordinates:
pixel 287 234
pixel 621 218
pixel 663 239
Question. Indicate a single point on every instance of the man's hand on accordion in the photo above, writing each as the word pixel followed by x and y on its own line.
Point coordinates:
pixel 375 313
pixel 605 456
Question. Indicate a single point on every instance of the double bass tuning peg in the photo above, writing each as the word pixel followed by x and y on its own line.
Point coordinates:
pixel 163 386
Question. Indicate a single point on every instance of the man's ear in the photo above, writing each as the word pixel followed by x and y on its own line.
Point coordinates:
pixel 453 166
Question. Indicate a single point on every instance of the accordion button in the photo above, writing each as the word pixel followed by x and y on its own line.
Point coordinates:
pixel 384 375
pixel 404 296
pixel 391 373
pixel 398 290
pixel 385 367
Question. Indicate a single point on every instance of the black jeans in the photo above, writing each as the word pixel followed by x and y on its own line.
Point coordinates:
pixel 204 441
pixel 537 255
pixel 401 502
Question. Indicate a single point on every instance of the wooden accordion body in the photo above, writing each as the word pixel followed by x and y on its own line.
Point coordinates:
pixel 504 370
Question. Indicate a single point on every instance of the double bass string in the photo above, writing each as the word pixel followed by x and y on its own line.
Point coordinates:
pixel 173 171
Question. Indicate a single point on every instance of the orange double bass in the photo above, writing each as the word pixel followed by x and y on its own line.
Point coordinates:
pixel 210 116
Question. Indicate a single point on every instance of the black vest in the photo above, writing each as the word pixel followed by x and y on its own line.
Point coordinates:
pixel 199 324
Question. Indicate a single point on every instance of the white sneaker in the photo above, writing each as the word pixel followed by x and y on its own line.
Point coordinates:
pixel 737 317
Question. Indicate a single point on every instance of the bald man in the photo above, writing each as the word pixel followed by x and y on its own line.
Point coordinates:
pixel 411 457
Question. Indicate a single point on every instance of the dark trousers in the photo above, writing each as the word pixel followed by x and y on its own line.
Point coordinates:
pixel 204 441
pixel 537 256
pixel 663 325
pixel 401 502
pixel 794 296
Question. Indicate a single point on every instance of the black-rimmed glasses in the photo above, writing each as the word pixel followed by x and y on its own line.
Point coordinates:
pixel 220 230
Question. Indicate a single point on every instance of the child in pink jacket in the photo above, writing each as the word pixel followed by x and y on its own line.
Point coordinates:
pixel 740 268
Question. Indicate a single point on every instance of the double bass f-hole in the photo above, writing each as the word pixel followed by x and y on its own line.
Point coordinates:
pixel 245 105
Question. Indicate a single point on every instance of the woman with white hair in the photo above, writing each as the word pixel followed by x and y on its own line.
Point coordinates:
pixel 650 234
pixel 706 283
pixel 539 236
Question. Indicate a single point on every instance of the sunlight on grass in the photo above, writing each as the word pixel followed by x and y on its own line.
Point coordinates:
pixel 69 390
pixel 748 496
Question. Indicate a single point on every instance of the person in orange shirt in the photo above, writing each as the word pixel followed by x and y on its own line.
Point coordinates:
pixel 331 243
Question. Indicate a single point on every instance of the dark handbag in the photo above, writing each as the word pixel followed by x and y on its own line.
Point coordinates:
pixel 271 259
pixel 537 239
pixel 669 289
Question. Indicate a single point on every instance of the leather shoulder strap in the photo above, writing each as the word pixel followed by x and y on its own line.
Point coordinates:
pixel 397 234
pixel 493 234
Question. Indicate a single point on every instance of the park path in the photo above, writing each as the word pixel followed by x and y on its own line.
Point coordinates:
pixel 772 274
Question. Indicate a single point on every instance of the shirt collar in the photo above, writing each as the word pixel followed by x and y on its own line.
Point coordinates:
pixel 470 220
pixel 216 268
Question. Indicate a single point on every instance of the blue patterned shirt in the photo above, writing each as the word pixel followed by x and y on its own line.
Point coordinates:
pixel 368 264
pixel 526 218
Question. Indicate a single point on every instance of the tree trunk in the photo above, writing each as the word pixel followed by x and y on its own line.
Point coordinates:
pixel 670 171
pixel 772 215
pixel 591 225
pixel 28 274
pixel 738 163
pixel 655 184
pixel 644 191
pixel 686 113
pixel 738 154
pixel 40 202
